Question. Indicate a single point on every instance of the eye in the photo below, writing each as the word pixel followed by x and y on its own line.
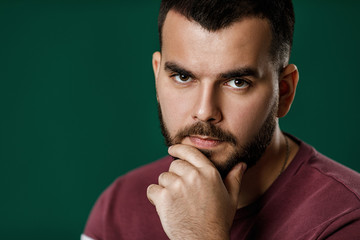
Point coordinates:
pixel 238 83
pixel 181 78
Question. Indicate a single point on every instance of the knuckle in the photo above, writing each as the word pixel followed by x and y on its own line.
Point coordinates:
pixel 163 195
pixel 183 149
pixel 177 185
pixel 176 164
pixel 151 187
pixel 193 175
pixel 173 149
pixel 162 177
pixel 150 190
pixel 212 172
pixel 193 172
pixel 192 151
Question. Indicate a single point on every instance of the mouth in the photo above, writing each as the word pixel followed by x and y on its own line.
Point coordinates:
pixel 204 142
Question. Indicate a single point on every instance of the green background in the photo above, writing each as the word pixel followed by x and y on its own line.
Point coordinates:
pixel 78 107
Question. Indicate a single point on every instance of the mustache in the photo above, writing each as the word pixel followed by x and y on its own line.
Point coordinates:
pixel 204 129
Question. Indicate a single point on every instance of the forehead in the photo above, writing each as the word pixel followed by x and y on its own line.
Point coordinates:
pixel 243 43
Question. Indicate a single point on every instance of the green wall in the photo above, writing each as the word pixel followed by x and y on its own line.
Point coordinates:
pixel 78 107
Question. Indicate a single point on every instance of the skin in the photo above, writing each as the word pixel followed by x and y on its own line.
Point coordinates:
pixel 192 200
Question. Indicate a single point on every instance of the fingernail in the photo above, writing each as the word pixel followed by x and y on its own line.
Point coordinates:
pixel 243 168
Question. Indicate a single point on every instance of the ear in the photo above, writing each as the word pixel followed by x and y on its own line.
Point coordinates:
pixel 156 60
pixel 289 79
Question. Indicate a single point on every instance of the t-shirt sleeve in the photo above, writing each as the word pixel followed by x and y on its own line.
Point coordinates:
pixel 345 227
pixel 94 228
pixel 94 224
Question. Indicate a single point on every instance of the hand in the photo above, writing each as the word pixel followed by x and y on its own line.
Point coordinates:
pixel 192 200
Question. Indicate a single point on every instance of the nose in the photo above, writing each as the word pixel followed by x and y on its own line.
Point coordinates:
pixel 207 105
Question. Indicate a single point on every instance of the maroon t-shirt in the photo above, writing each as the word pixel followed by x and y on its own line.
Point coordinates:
pixel 314 198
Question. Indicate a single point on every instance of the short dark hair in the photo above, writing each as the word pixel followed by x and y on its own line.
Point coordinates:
pixel 217 14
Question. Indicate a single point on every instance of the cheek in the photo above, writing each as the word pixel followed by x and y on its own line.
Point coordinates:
pixel 246 116
pixel 175 108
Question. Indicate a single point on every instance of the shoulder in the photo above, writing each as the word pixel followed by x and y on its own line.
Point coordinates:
pixel 123 206
pixel 323 193
pixel 332 174
pixel 316 195
pixel 313 170
pixel 139 179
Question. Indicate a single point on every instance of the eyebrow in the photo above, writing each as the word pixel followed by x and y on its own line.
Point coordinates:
pixel 237 73
pixel 174 67
pixel 240 72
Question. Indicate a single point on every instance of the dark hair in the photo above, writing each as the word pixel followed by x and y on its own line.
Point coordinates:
pixel 217 14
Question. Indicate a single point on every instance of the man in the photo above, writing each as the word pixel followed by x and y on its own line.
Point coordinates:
pixel 223 80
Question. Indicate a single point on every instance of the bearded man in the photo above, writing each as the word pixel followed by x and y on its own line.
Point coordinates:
pixel 223 80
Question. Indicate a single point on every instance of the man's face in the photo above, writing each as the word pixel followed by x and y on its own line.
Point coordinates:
pixel 217 91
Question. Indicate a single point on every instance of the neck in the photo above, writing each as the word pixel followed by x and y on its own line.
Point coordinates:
pixel 260 177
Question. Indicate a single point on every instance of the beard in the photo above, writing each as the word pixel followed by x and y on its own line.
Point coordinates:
pixel 249 152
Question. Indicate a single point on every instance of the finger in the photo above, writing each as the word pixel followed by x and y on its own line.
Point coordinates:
pixel 153 191
pixel 233 181
pixel 167 178
pixel 190 154
pixel 181 167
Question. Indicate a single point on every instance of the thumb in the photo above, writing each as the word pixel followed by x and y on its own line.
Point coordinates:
pixel 233 181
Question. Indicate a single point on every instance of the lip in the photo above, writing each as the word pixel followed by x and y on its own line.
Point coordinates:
pixel 204 142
